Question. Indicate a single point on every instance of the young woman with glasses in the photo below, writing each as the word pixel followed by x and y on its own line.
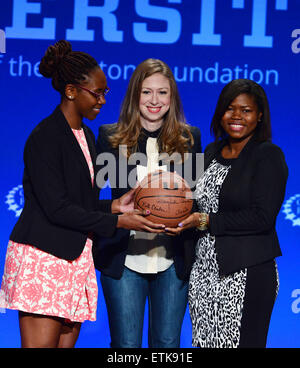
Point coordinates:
pixel 49 272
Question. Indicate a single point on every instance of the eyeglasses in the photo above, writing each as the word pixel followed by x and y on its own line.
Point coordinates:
pixel 96 95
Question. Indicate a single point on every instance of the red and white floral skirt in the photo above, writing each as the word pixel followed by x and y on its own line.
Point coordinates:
pixel 38 282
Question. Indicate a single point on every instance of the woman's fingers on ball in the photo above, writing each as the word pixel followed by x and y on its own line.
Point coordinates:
pixel 152 225
pixel 152 230
pixel 141 212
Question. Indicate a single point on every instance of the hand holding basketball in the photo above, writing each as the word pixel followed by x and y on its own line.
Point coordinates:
pixel 190 222
pixel 166 195
pixel 136 220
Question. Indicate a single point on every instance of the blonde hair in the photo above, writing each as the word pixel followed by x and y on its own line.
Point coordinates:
pixel 175 135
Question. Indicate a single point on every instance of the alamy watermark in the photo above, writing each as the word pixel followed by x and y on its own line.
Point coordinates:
pixel 296 302
pixel 116 173
pixel 2 301
pixel 296 43
pixel 2 42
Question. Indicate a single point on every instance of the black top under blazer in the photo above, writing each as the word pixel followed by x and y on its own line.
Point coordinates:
pixel 109 254
pixel 249 202
pixel 61 205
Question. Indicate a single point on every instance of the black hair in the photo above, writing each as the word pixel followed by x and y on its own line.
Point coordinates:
pixel 228 94
pixel 65 66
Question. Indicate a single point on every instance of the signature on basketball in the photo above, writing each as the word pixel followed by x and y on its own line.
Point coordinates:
pixel 152 207
pixel 169 202
pixel 182 211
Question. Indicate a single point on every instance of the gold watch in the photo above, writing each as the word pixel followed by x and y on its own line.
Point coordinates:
pixel 202 222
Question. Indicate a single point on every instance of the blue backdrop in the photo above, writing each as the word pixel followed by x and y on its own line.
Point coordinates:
pixel 207 43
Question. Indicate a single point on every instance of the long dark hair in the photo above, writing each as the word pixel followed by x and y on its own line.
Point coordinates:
pixel 228 94
pixel 65 66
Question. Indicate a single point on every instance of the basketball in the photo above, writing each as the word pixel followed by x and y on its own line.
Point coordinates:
pixel 166 195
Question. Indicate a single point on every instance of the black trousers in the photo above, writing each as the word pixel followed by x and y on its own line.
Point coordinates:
pixel 260 295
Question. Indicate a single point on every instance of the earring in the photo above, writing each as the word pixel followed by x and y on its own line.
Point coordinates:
pixel 70 97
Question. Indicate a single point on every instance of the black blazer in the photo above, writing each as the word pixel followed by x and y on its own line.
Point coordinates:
pixel 61 205
pixel 109 254
pixel 249 202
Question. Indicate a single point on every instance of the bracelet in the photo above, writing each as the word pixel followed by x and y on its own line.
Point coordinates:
pixel 202 222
